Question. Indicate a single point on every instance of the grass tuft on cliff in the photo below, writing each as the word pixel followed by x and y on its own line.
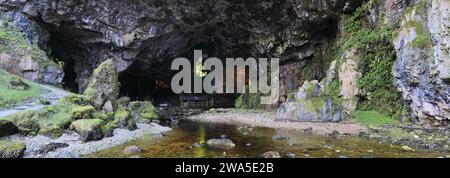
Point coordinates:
pixel 15 90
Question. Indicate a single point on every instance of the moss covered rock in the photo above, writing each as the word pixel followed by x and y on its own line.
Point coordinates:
pixel 319 109
pixel 103 85
pixel 83 112
pixel 108 129
pixel 143 111
pixel 11 149
pixel 88 129
pixel 26 120
pixel 309 90
pixel 123 119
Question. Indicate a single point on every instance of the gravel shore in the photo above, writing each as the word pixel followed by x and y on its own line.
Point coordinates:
pixel 257 118
pixel 77 148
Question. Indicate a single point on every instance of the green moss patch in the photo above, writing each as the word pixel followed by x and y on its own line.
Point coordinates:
pixel 374 118
pixel 377 59
pixel 15 90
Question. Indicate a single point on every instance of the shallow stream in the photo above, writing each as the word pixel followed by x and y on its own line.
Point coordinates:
pixel 253 142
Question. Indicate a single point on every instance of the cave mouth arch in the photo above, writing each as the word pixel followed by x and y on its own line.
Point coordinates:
pixel 142 81
pixel 142 88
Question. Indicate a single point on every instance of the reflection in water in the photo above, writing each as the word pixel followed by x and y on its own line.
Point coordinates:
pixel 188 140
pixel 200 151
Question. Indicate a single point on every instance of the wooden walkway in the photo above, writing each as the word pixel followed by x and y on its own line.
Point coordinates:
pixel 188 101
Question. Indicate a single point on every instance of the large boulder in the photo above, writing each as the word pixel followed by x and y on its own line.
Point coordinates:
pixel 18 84
pixel 88 129
pixel 309 90
pixel 103 85
pixel 27 120
pixel 11 149
pixel 7 128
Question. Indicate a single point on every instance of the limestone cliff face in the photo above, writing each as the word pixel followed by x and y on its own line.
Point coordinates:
pixel 420 65
pixel 144 35
pixel 20 54
pixel 422 68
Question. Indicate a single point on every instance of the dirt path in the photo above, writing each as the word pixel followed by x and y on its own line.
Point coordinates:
pixel 267 119
pixel 49 93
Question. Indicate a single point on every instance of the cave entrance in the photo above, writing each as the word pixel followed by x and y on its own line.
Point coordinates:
pixel 142 88
pixel 146 81
pixel 70 76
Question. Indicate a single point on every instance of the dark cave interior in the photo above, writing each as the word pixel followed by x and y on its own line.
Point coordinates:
pixel 138 81
pixel 156 87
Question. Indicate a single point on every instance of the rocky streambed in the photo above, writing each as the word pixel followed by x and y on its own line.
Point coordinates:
pixel 70 146
pixel 198 137
pixel 249 134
